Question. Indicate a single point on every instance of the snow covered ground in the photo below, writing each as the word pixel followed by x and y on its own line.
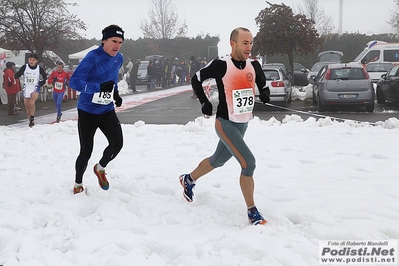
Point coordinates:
pixel 315 180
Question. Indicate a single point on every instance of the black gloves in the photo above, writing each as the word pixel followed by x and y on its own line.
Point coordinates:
pixel 107 86
pixel 117 98
pixel 54 81
pixel 9 84
pixel 206 108
pixel 264 95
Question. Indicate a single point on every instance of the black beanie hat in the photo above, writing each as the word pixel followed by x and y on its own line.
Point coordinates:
pixel 113 31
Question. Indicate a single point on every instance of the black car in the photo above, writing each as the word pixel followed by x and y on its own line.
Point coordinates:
pixel 300 77
pixel 388 86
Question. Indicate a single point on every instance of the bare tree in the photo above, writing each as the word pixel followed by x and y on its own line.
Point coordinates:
pixel 37 25
pixel 323 22
pixel 394 21
pixel 163 22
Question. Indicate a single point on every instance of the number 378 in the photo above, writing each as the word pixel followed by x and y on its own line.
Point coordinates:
pixel 244 101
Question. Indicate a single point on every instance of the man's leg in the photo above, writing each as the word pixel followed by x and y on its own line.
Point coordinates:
pixel 27 107
pixel 32 102
pixel 203 168
pixel 247 187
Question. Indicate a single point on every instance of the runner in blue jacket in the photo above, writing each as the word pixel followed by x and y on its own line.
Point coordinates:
pixel 96 78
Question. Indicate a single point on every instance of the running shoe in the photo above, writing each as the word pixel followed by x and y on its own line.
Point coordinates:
pixel 31 122
pixel 188 188
pixel 59 118
pixel 102 179
pixel 255 217
pixel 78 189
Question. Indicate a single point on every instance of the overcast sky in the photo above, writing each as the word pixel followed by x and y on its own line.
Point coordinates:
pixel 219 17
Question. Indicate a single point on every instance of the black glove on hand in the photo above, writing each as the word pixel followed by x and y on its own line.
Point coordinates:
pixel 117 98
pixel 107 86
pixel 54 81
pixel 264 95
pixel 9 84
pixel 206 108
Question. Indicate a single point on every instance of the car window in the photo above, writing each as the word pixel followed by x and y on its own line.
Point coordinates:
pixel 271 74
pixel 391 55
pixel 352 73
pixel 372 56
pixel 393 71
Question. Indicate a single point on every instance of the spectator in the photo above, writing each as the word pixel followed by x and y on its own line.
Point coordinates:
pixel 129 67
pixel 152 72
pixel 34 78
pixel 12 87
pixel 59 79
pixel 133 75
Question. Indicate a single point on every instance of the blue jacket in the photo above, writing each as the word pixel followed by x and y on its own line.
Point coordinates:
pixel 97 67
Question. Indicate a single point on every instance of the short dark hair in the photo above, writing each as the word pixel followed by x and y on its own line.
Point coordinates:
pixel 33 55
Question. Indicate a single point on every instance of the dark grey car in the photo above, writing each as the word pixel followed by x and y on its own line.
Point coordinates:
pixel 343 84
pixel 388 86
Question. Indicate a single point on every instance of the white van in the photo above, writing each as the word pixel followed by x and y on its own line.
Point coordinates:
pixel 378 51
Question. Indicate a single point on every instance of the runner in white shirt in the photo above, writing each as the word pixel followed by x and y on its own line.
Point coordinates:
pixel 34 76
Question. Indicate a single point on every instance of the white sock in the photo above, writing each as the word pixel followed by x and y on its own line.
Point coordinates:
pixel 99 167
pixel 78 185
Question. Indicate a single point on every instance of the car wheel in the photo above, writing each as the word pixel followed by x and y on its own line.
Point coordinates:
pixel 380 96
pixel 314 99
pixel 320 106
pixel 370 108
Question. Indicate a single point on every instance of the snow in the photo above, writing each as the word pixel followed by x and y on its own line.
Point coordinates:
pixel 316 179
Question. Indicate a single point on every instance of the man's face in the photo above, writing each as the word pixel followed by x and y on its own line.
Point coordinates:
pixel 60 68
pixel 112 45
pixel 241 50
pixel 32 61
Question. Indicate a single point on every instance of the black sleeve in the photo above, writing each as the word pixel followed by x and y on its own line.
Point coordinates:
pixel 215 69
pixel 260 76
pixel 20 72
pixel 44 76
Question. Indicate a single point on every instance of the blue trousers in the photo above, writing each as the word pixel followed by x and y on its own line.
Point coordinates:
pixel 58 96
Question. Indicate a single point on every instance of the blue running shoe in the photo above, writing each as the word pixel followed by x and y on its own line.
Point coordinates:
pixel 255 217
pixel 188 188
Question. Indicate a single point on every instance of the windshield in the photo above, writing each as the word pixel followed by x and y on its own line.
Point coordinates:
pixel 360 55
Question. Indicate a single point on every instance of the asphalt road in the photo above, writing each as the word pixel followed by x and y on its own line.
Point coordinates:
pixel 180 108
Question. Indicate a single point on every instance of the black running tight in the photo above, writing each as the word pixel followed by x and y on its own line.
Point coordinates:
pixel 88 123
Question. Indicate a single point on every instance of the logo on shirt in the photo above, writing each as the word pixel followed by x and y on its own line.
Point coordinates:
pixel 250 77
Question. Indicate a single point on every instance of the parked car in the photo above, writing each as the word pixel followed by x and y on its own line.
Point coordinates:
pixel 142 76
pixel 315 69
pixel 279 85
pixel 300 73
pixel 375 70
pixel 325 58
pixel 388 86
pixel 343 84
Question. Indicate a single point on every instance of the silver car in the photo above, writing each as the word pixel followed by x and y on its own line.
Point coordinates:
pixel 279 85
pixel 343 84
pixel 375 70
